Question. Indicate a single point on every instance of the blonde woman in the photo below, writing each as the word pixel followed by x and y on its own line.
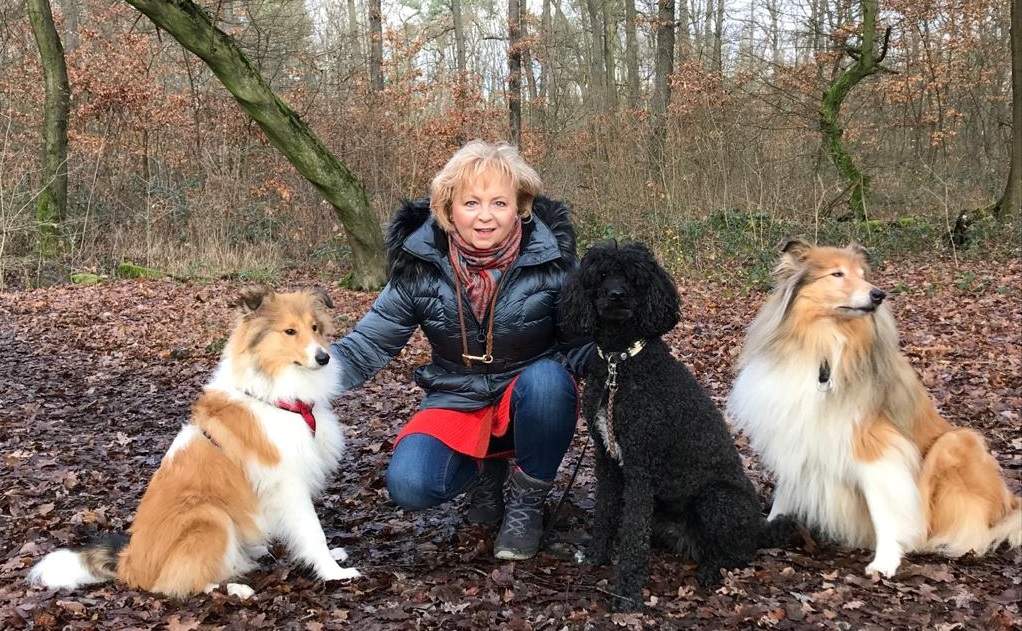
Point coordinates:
pixel 479 267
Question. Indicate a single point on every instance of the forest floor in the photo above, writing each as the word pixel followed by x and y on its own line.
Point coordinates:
pixel 95 382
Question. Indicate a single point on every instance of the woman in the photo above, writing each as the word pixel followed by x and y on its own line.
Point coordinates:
pixel 479 266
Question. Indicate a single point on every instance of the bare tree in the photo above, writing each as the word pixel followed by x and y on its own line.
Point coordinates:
pixel 459 39
pixel 718 38
pixel 1011 200
pixel 358 60
pixel 683 38
pixel 662 80
pixel 514 65
pixel 375 45
pixel 597 81
pixel 192 27
pixel 866 62
pixel 631 55
pixel 530 76
pixel 51 204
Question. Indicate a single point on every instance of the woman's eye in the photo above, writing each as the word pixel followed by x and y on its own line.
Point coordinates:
pixel 290 332
pixel 470 204
pixel 838 274
pixel 501 204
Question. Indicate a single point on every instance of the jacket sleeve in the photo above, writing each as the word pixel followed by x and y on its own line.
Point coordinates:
pixel 377 338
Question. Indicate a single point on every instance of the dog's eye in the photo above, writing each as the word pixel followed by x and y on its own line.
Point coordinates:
pixel 315 327
pixel 290 332
pixel 838 274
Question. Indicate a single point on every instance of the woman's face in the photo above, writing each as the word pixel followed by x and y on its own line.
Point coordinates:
pixel 485 209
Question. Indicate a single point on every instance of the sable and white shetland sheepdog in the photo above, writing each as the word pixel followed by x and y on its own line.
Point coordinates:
pixel 261 443
pixel 838 415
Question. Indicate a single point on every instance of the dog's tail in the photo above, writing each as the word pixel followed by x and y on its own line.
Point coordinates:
pixel 1009 528
pixel 779 532
pixel 71 569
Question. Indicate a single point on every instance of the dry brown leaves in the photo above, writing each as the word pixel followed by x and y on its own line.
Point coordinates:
pixel 96 381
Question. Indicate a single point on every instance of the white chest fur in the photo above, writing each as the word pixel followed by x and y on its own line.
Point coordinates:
pixel 804 435
pixel 609 442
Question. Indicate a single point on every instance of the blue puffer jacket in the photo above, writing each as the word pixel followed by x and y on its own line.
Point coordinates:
pixel 421 292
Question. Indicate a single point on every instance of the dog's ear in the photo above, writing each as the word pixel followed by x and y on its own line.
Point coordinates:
pixel 859 250
pixel 322 297
pixel 251 298
pixel 793 254
pixel 662 302
pixel 576 314
pixel 796 248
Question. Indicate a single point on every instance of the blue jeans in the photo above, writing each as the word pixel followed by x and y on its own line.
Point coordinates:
pixel 424 472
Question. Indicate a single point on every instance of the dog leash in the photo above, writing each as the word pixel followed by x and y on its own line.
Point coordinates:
pixel 611 385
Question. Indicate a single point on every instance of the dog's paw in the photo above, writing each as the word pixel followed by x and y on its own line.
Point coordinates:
pixel 887 567
pixel 339 554
pixel 595 555
pixel 341 574
pixel 708 576
pixel 242 591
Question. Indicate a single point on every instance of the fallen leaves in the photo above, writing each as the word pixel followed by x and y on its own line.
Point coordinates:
pixel 97 380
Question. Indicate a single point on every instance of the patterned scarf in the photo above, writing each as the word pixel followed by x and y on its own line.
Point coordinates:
pixel 479 271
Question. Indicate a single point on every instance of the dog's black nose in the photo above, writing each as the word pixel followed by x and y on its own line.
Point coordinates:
pixel 322 358
pixel 877 295
pixel 616 293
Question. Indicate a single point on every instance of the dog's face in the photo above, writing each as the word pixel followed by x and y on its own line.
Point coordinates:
pixel 619 287
pixel 829 281
pixel 615 298
pixel 280 331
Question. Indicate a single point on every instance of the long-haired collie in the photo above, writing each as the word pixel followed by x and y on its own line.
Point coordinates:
pixel 261 443
pixel 857 446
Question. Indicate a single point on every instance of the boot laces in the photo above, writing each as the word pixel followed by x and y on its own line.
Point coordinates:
pixel 525 507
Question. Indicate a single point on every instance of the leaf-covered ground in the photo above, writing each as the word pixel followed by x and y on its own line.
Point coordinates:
pixel 95 382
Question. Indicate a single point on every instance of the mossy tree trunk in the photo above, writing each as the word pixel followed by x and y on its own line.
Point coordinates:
pixel 51 205
pixel 867 62
pixel 192 27
pixel 1011 200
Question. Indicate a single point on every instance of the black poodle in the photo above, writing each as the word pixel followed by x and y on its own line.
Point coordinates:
pixel 666 465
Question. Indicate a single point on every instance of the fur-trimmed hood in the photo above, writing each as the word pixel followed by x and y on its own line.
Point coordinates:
pixel 414 235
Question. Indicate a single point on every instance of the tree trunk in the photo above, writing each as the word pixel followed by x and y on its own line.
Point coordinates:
pixel 191 26
pixel 683 38
pixel 530 76
pixel 706 45
pixel 867 62
pixel 375 45
pixel 459 39
pixel 718 38
pixel 358 59
pixel 51 204
pixel 72 13
pixel 1011 201
pixel 609 66
pixel 662 81
pixel 632 55
pixel 597 76
pixel 514 66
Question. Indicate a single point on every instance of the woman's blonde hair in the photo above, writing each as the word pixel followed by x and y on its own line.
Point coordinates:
pixel 470 161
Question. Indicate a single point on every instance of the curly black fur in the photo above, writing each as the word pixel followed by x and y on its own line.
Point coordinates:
pixel 680 481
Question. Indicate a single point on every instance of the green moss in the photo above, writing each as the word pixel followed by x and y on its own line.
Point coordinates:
pixel 86 278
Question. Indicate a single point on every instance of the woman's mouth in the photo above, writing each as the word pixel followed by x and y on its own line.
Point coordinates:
pixel 483 232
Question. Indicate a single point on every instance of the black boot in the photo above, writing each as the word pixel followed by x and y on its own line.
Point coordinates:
pixel 522 529
pixel 486 497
